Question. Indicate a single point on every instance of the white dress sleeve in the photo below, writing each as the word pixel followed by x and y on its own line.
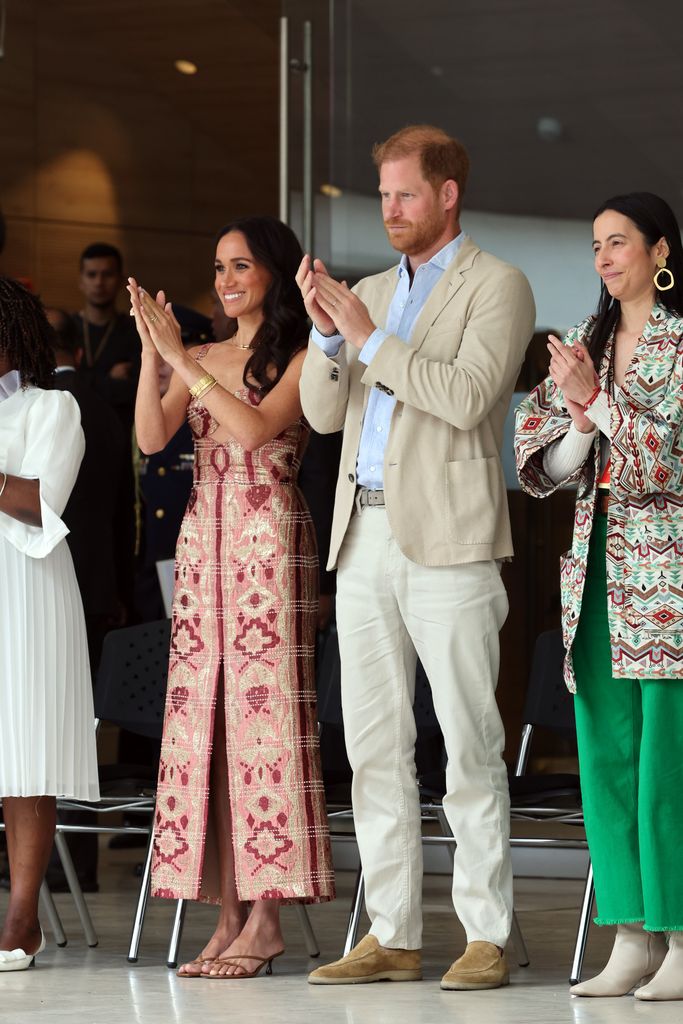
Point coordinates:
pixel 53 452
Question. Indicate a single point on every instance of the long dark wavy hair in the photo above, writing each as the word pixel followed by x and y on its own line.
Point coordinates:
pixel 655 219
pixel 25 335
pixel 284 330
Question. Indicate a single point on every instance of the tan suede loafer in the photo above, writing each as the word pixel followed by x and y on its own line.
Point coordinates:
pixel 480 966
pixel 368 961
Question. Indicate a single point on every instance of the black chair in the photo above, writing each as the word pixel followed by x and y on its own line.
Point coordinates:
pixel 552 797
pixel 130 691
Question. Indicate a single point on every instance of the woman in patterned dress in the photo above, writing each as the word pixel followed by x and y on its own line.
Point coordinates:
pixel 610 418
pixel 240 816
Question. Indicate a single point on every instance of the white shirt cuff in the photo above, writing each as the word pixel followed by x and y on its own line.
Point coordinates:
pixel 564 457
pixel 329 344
pixel 369 349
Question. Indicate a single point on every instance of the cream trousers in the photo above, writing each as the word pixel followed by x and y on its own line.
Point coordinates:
pixel 389 610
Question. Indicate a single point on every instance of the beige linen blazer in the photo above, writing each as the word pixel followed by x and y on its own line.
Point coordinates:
pixel 443 479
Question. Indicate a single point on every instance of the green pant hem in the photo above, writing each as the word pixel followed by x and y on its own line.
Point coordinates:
pixel 663 928
pixel 601 921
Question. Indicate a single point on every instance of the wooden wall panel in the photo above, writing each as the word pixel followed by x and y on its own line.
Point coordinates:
pixel 103 140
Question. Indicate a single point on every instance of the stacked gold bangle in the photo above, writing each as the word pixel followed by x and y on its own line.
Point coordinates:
pixel 204 384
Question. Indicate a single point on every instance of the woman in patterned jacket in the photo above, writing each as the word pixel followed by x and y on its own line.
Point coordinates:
pixel 609 417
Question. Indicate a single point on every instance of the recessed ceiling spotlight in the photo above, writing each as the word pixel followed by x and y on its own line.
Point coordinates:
pixel 333 191
pixel 185 67
pixel 549 129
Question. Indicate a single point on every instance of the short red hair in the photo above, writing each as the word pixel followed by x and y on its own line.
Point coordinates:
pixel 441 156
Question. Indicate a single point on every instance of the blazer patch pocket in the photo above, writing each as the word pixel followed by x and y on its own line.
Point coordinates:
pixel 474 491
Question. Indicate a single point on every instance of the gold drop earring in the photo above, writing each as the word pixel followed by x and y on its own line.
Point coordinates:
pixel 663 269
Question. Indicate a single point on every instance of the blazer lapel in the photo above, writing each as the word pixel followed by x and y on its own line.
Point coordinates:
pixel 445 290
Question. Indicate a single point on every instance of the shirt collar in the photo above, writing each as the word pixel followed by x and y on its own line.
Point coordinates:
pixel 440 259
pixel 9 384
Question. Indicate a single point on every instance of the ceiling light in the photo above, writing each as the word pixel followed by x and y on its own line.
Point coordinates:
pixel 333 191
pixel 185 67
pixel 549 129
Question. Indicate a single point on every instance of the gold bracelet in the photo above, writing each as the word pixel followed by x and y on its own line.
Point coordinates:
pixel 204 384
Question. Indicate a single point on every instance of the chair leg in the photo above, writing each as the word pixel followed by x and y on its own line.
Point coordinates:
pixel 583 928
pixel 312 946
pixel 176 934
pixel 141 907
pixel 518 942
pixel 75 887
pixel 446 830
pixel 53 915
pixel 356 910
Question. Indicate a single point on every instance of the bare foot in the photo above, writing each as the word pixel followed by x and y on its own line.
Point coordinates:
pixel 260 940
pixel 224 935
pixel 20 934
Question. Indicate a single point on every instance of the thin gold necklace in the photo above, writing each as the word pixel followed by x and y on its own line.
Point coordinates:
pixel 236 344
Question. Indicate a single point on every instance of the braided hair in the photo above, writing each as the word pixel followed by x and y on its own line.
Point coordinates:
pixel 284 330
pixel 26 337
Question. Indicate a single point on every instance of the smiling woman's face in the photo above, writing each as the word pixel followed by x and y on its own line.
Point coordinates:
pixel 623 258
pixel 241 282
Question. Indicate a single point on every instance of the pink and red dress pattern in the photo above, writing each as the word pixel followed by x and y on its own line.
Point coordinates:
pixel 244 615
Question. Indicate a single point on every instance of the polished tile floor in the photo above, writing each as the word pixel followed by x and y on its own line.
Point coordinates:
pixel 97 986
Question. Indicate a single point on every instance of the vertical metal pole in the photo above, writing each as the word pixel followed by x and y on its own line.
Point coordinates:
pixel 284 120
pixel 308 139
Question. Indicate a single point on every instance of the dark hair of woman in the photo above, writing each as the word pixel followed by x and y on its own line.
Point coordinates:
pixel 284 330
pixel 655 219
pixel 26 338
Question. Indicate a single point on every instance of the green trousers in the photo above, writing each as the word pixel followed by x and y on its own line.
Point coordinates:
pixel 630 737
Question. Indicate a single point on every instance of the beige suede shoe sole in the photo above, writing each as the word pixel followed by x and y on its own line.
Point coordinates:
pixel 366 979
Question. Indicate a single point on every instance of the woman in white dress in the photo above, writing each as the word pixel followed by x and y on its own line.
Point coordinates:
pixel 47 743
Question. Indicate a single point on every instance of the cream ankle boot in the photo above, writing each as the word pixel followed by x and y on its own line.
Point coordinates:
pixel 668 981
pixel 636 955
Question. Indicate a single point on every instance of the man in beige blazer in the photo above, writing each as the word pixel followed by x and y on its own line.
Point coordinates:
pixel 418 365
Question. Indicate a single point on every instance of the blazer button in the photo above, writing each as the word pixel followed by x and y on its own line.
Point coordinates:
pixel 334 375
pixel 351 477
pixel 160 513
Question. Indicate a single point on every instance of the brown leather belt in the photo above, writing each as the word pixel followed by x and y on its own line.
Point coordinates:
pixel 602 504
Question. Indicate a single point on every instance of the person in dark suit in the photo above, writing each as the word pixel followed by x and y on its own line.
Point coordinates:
pixel 93 510
pixel 92 515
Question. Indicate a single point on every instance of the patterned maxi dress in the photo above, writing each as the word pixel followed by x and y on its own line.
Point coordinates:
pixel 244 613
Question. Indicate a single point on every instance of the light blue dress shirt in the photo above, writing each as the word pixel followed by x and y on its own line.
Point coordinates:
pixel 406 305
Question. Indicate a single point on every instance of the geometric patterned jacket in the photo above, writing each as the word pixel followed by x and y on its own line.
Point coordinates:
pixel 645 520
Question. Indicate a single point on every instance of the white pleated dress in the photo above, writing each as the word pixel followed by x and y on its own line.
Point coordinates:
pixel 47 739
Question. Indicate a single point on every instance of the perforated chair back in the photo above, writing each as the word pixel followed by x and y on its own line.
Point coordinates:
pixel 548 703
pixel 130 689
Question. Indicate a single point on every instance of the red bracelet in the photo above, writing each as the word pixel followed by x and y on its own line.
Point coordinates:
pixel 592 399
